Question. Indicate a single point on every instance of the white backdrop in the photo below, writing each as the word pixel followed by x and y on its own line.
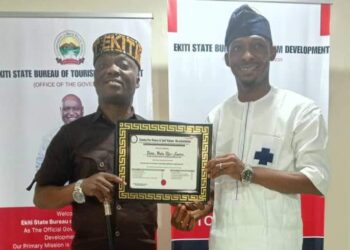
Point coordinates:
pixel 199 80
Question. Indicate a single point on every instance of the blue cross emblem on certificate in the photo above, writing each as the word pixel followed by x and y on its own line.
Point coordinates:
pixel 264 156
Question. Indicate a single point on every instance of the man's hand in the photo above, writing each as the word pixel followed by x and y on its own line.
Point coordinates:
pixel 186 215
pixel 101 185
pixel 228 164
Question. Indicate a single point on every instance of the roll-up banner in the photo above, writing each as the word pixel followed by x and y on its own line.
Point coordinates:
pixel 45 57
pixel 199 79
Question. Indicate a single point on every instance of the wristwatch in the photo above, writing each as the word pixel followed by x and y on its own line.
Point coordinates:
pixel 78 195
pixel 247 174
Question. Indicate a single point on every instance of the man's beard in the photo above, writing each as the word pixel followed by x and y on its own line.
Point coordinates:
pixel 118 100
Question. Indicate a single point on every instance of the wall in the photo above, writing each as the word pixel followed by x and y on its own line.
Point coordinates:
pixel 337 202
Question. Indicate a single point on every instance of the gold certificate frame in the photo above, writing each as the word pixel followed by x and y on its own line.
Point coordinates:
pixel 163 161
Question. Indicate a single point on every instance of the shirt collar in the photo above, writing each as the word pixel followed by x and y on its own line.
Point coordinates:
pixel 99 115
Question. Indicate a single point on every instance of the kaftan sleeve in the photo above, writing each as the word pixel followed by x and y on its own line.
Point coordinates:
pixel 310 146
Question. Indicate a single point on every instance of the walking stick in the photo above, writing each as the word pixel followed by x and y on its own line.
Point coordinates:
pixel 108 215
pixel 107 205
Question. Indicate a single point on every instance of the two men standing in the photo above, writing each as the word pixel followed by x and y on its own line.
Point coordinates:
pixel 269 147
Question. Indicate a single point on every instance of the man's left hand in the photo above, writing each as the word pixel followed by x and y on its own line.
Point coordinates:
pixel 228 164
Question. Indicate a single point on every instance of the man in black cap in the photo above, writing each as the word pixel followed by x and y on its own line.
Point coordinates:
pixel 269 146
pixel 83 154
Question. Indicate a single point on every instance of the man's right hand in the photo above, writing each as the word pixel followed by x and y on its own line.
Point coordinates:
pixel 101 185
pixel 186 215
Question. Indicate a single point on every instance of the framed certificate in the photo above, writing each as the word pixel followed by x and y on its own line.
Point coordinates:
pixel 163 161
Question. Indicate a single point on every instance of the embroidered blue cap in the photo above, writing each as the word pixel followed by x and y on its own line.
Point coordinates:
pixel 246 22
